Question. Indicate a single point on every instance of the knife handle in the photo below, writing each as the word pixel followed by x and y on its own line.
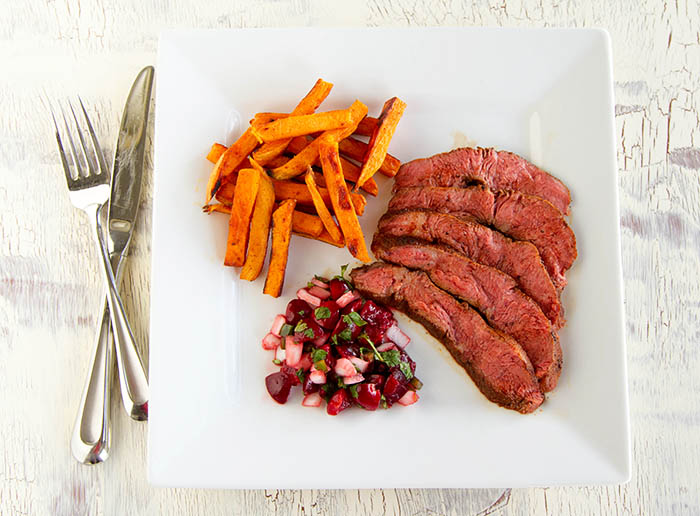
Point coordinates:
pixel 92 430
pixel 132 376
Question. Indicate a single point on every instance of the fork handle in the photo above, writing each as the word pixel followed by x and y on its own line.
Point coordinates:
pixel 92 431
pixel 132 376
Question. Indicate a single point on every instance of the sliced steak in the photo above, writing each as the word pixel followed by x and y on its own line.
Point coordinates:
pixel 499 170
pixel 495 362
pixel 490 291
pixel 520 260
pixel 518 215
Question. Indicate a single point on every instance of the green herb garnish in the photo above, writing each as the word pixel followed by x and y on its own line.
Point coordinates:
pixel 318 355
pixel 322 312
pixel 354 318
pixel 346 334
pixel 301 375
pixel 277 361
pixel 353 391
pixel 287 329
pixel 406 370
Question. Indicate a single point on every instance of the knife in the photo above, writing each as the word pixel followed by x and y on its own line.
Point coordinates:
pixel 91 435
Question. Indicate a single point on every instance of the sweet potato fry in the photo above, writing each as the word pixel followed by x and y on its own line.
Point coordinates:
pixel 309 154
pixel 324 237
pixel 306 223
pixel 266 117
pixel 366 126
pixel 215 152
pixel 299 125
pixel 306 106
pixel 246 191
pixel 229 160
pixel 321 208
pixel 290 190
pixel 277 161
pixel 381 136
pixel 357 150
pixel 281 234
pixel 340 199
pixel 259 229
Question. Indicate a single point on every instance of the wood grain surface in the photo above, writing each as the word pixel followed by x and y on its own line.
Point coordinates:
pixel 50 289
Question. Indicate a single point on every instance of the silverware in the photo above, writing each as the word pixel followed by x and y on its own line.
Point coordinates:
pixel 123 206
pixel 87 177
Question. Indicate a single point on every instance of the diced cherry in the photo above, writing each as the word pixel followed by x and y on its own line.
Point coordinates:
pixel 312 399
pixel 354 306
pixel 292 372
pixel 347 350
pixel 308 386
pixel 337 288
pixel 293 351
pixel 408 399
pixel 377 315
pixel 312 331
pixel 395 385
pixel 404 357
pixel 296 311
pixel 278 385
pixel 355 331
pixel 338 402
pixel 377 380
pixel 329 322
pixel 368 396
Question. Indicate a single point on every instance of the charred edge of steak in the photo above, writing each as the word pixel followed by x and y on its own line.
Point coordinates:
pixel 388 284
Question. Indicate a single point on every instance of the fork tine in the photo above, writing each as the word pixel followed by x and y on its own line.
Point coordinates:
pixel 61 150
pixel 74 151
pixel 83 146
pixel 102 164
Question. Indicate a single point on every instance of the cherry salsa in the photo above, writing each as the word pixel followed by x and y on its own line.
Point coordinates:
pixel 340 348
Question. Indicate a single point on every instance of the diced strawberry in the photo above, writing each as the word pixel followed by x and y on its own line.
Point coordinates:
pixel 343 367
pixel 271 341
pixel 395 335
pixel 347 298
pixel 338 402
pixel 317 377
pixel 294 350
pixel 312 400
pixel 360 365
pixel 319 292
pixel 304 295
pixel 408 399
pixel 356 378
pixel 277 324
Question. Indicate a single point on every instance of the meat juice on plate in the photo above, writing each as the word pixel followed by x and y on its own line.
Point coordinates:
pixel 339 347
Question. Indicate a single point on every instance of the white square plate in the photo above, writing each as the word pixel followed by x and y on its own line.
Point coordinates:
pixel 545 94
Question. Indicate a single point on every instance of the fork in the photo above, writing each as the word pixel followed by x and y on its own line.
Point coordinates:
pixel 88 190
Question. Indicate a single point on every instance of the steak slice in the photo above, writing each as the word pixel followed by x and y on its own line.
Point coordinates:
pixel 520 260
pixel 496 363
pixel 499 170
pixel 521 216
pixel 490 291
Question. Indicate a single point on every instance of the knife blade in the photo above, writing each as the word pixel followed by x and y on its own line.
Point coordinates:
pixel 91 438
pixel 127 173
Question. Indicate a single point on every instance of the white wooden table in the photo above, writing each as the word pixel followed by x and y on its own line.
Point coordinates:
pixel 50 289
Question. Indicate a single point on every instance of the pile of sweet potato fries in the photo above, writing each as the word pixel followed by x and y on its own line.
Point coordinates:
pixel 268 180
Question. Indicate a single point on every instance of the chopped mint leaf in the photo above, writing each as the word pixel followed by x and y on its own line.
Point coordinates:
pixel 346 334
pixel 322 312
pixel 343 268
pixel 277 361
pixel 321 366
pixel 334 339
pixel 406 370
pixel 391 357
pixel 309 284
pixel 363 350
pixel 287 329
pixel 341 383
pixel 320 278
pixel 417 384
pixel 354 318
pixel 309 333
pixel 301 375
pixel 353 391
pixel 318 355
pixel 301 326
